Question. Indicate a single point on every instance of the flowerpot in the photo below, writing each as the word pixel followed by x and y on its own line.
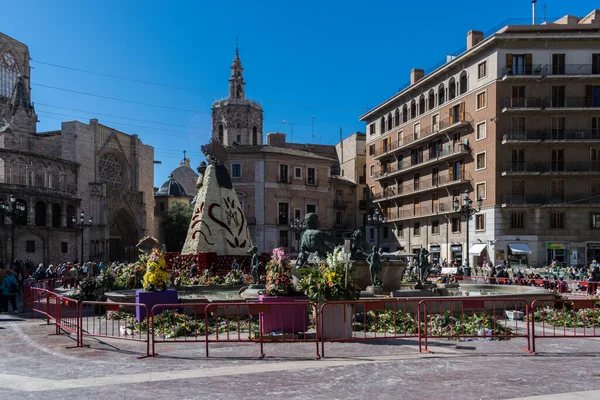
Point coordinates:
pixel 284 318
pixel 336 321
pixel 150 299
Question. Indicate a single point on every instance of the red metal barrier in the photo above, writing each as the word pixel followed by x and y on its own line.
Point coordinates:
pixel 346 321
pixel 27 295
pixel 245 322
pixel 94 322
pixel 564 319
pixel 447 319
pixel 43 302
pixel 67 315
pixel 190 329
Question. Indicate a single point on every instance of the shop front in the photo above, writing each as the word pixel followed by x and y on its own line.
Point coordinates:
pixel 557 252
pixel 592 252
pixel 456 253
pixel 435 250
pixel 518 255
pixel 479 253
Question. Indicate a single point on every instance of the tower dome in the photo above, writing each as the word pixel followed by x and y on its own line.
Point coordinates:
pixel 171 188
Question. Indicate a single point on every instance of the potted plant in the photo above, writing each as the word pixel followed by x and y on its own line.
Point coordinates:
pixel 331 282
pixel 286 318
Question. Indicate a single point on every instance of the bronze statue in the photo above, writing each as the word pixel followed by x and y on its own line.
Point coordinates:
pixel 254 263
pixel 374 261
pixel 423 265
pixel 360 247
pixel 314 242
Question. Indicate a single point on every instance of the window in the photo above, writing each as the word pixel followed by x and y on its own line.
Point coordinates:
pixel 372 129
pixel 435 227
pixel 297 214
pixel 283 173
pixel 283 213
pixel 404 113
pixel 254 136
pixel 417 229
pixel 413 109
pixel 421 104
pixel 238 139
pixel 595 220
pixel 596 63
pixel 221 133
pixel 557 191
pixel 40 213
pixel 162 206
pixel 595 191
pixel 519 64
pixel 236 170
pixel 372 170
pixel 386 232
pixel 557 159
pixel 339 218
pixel 480 190
pixel 416 131
pixel 480 161
pixel 396 118
pixel 382 124
pixel 30 246
pixel 481 100
pixel 400 230
pixel 558 96
pixel 463 82
pixel 481 132
pixel 455 225
pixel 557 220
pixel 482 70
pixel 311 178
pixel 558 64
pixel 283 239
pixel 371 233
pixel 311 208
pixel 64 247
pixel 595 133
pixel 372 149
pixel 451 89
pixel 441 94
pixel 480 222
pixel 298 173
pixel 517 220
pixel 56 215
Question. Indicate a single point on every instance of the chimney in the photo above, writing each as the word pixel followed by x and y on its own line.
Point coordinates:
pixel 416 75
pixel 276 139
pixel 533 11
pixel 474 37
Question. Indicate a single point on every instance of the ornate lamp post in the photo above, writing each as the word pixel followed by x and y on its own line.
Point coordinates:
pixel 13 211
pixel 377 219
pixel 467 210
pixel 81 227
pixel 298 227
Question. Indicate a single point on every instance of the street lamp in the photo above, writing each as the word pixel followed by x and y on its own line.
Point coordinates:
pixel 12 211
pixel 376 220
pixel 81 227
pixel 298 227
pixel 467 210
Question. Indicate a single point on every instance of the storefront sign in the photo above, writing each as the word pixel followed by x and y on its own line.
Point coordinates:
pixel 434 249
pixel 556 246
pixel 593 246
pixel 457 247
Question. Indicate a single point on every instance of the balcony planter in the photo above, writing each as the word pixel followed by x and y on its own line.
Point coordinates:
pixel 284 318
pixel 336 321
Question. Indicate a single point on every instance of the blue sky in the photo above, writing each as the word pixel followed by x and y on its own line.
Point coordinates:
pixel 327 59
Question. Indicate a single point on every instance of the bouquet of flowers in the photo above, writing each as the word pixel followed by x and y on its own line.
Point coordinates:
pixel 328 281
pixel 156 276
pixel 279 274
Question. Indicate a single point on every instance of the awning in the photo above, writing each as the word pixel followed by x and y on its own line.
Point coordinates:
pixel 399 253
pixel 477 248
pixel 519 248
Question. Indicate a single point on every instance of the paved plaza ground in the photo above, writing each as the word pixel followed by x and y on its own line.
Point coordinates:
pixel 37 364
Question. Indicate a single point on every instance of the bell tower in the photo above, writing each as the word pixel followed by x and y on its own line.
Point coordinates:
pixel 236 120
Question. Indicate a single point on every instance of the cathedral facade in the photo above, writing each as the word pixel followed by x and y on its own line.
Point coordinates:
pixel 55 176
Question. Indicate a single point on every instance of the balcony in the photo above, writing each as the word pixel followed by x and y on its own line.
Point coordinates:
pixel 69 191
pixel 420 212
pixel 536 199
pixel 449 151
pixel 525 71
pixel 538 71
pixel 580 103
pixel 424 134
pixel 554 135
pixel 412 188
pixel 340 204
pixel 551 168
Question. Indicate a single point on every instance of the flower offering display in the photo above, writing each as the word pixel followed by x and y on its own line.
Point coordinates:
pixel 279 275
pixel 327 282
pixel 156 276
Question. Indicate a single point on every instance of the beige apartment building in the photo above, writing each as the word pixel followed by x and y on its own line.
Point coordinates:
pixel 514 120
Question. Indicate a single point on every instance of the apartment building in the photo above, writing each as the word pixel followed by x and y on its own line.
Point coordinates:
pixel 515 121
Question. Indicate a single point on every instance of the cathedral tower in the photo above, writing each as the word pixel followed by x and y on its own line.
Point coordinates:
pixel 236 120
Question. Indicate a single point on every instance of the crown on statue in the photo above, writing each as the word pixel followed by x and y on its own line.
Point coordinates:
pixel 214 152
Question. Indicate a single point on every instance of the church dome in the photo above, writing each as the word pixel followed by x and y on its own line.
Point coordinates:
pixel 171 188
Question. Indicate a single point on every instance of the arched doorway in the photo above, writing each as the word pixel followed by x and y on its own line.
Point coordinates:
pixel 124 235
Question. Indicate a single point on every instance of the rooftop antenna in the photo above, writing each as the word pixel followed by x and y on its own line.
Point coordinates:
pixel 313 129
pixel 545 9
pixel 533 11
pixel 283 125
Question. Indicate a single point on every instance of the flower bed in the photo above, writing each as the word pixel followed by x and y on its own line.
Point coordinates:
pixel 585 318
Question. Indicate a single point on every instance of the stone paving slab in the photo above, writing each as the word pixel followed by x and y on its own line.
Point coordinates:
pixel 37 364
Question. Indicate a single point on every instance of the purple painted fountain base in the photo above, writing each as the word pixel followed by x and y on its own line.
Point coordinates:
pixel 150 299
pixel 287 318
